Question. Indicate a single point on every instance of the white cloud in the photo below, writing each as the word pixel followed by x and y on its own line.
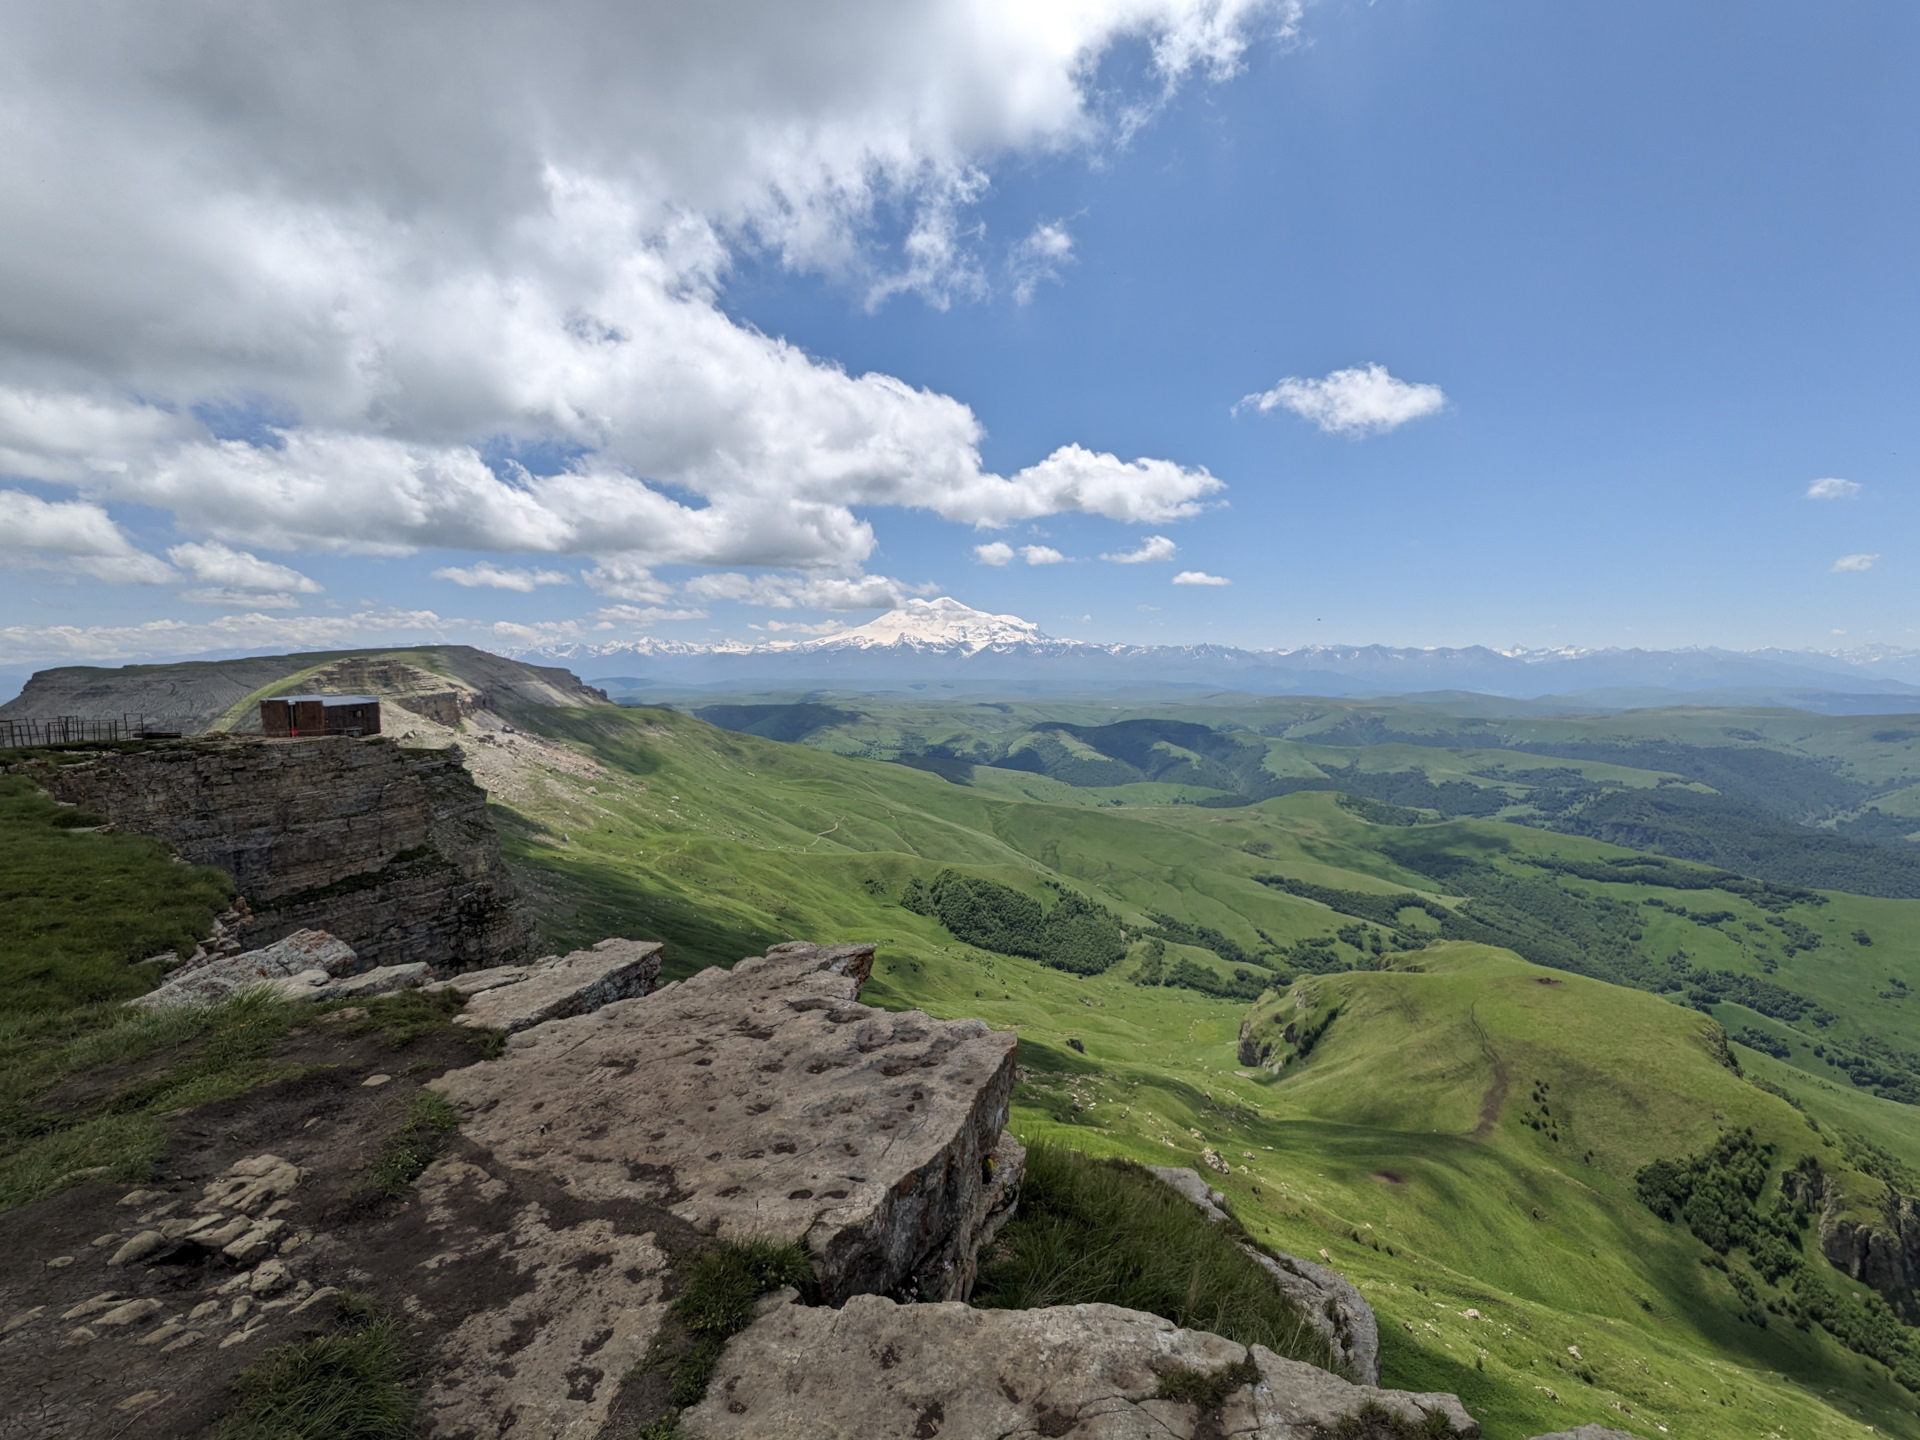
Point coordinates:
pixel 796 627
pixel 500 577
pixel 1199 577
pixel 1041 555
pixel 250 631
pixel 994 552
pixel 75 536
pixel 1039 258
pixel 229 598
pixel 1833 488
pixel 806 592
pixel 237 572
pixel 1847 563
pixel 192 212
pixel 645 615
pixel 1154 547
pixel 626 577
pixel 1365 400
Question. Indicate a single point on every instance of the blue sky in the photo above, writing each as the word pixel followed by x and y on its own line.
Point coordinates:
pixel 1659 260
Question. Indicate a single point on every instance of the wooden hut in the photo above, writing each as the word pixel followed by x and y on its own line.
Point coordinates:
pixel 297 716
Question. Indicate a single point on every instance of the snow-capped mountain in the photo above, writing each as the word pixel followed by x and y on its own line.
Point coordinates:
pixel 943 639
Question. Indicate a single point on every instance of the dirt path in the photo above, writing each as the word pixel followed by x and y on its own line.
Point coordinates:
pixel 1496 1095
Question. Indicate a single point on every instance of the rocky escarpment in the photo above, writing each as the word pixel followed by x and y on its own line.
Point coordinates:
pixel 1328 1299
pixel 535 1258
pixel 1880 1249
pixel 874 1367
pixel 388 849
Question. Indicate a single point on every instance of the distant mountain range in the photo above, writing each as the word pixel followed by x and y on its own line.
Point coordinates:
pixel 944 641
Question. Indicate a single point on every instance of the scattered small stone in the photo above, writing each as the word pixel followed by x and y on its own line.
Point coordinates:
pixel 106 1239
pixel 25 1317
pixel 105 1300
pixel 131 1311
pixel 138 1248
pixel 160 1336
pixel 294 1241
pixel 158 1212
pixel 203 1310
pixel 257 1243
pixel 372 1080
pixel 270 1277
pixel 240 1337
pixel 79 1335
pixel 142 1197
pixel 139 1401
pixel 59 1262
pixel 189 1338
pixel 242 1307
pixel 218 1237
pixel 251 1184
pixel 323 1293
pixel 345 1016
pixel 237 1283
pixel 1471 1314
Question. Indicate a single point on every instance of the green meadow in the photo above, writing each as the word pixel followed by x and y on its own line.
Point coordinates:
pixel 1512 1264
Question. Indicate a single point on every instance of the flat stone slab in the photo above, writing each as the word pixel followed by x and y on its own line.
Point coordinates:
pixel 1331 1301
pixel 874 1368
pixel 1587 1432
pixel 765 1102
pixel 555 988
pixel 214 980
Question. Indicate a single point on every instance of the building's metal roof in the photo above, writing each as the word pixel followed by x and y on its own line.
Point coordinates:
pixel 329 699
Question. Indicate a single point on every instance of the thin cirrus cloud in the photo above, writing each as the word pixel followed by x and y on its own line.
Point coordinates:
pixel 192 216
pixel 1850 564
pixel 1833 488
pixel 1363 400
pixel 1199 577
pixel 496 577
pixel 1151 549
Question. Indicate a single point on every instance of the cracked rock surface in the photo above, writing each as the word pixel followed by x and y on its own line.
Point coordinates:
pixel 517 998
pixel 877 1369
pixel 766 1102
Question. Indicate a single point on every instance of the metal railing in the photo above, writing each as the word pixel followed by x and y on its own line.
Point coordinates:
pixel 83 729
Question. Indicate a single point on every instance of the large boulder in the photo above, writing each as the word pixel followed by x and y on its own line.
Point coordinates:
pixel 214 979
pixel 556 987
pixel 1587 1432
pixel 880 1369
pixel 766 1102
pixel 1329 1300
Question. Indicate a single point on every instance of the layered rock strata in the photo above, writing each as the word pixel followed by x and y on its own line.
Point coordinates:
pixel 765 1102
pixel 875 1367
pixel 514 998
pixel 389 849
pixel 1328 1299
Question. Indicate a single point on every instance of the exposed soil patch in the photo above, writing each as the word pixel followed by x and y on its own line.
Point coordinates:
pixel 1496 1095
pixel 1545 980
pixel 90 1376
pixel 1389 1177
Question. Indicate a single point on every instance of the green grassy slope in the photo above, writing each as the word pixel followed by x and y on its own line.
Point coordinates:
pixel 1375 1150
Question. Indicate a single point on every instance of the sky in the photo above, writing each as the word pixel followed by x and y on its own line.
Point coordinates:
pixel 1238 321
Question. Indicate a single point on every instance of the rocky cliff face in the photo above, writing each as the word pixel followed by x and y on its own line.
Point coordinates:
pixel 389 849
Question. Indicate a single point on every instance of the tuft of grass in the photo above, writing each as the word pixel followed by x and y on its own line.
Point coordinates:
pixel 720 1285
pixel 1208 1389
pixel 1106 1231
pixel 406 1153
pixel 349 1385
pixel 409 1015
pixel 1373 1421
pixel 223 1050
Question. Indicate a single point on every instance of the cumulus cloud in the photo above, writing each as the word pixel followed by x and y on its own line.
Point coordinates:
pixel 499 577
pixel 239 573
pixel 194 212
pixel 644 614
pixel 1199 577
pixel 75 536
pixel 1833 488
pixel 1039 258
pixel 1041 555
pixel 1364 400
pixel 1847 563
pixel 1153 548
pixel 994 552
